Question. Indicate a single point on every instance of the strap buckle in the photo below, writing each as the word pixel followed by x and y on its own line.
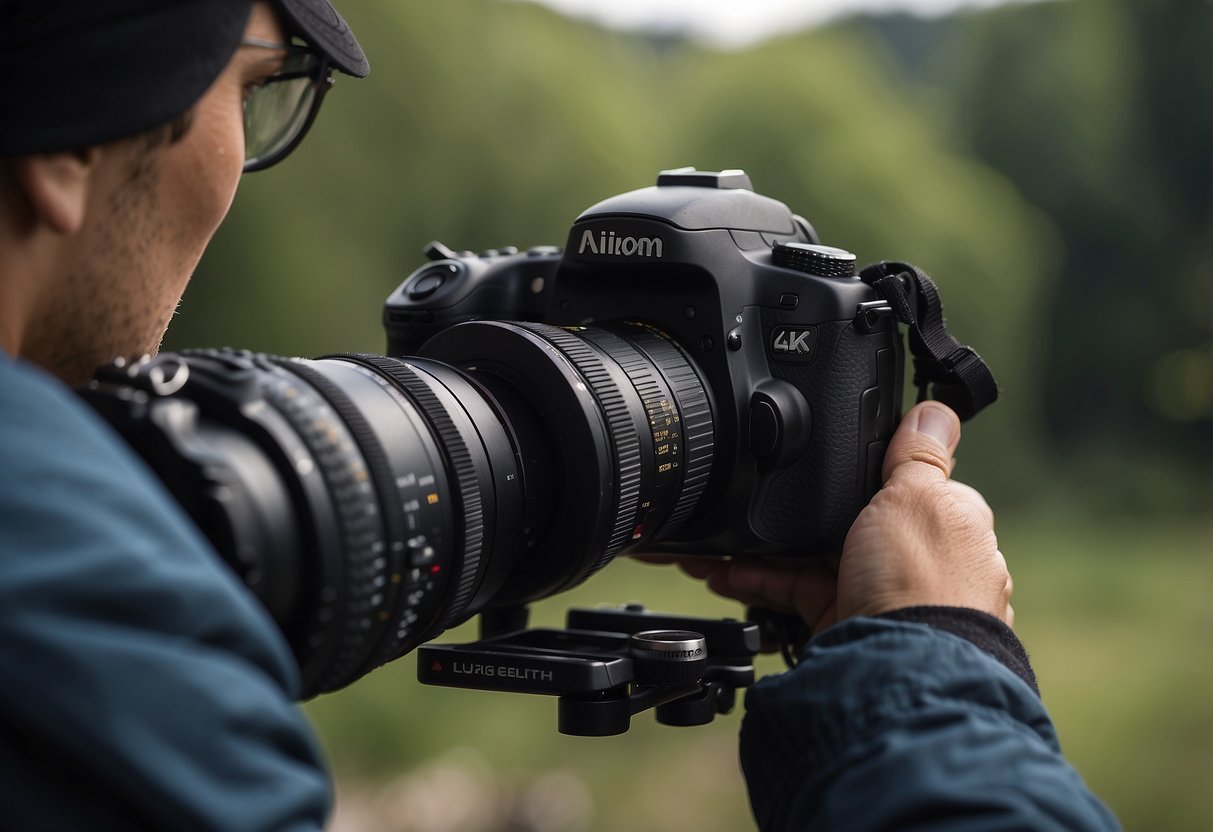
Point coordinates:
pixel 944 369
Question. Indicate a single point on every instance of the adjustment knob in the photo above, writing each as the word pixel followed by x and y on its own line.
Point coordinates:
pixel 668 657
pixel 823 261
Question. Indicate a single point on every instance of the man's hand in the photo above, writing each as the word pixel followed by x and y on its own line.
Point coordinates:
pixel 923 540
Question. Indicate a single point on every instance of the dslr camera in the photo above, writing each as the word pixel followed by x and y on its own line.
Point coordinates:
pixel 694 372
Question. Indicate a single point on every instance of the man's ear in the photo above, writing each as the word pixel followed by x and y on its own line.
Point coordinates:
pixel 56 186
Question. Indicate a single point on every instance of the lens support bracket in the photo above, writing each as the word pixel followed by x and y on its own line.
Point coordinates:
pixel 606 665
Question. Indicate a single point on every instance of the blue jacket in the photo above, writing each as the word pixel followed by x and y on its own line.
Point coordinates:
pixel 141 687
pixel 889 724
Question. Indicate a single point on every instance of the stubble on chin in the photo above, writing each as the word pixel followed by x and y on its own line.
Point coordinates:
pixel 119 300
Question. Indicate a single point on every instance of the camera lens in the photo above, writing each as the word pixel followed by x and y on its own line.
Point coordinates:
pixel 623 417
pixel 371 502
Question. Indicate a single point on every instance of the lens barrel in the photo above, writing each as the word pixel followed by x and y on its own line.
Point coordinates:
pixel 371 502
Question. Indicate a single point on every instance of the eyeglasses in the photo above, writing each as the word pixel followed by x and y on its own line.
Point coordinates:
pixel 279 111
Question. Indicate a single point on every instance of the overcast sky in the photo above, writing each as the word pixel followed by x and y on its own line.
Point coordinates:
pixel 740 22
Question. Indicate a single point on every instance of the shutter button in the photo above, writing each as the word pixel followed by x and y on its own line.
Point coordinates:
pixel 429 283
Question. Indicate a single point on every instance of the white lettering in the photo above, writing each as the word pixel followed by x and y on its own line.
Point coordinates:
pixel 608 243
pixel 791 340
pixel 587 239
pixel 501 671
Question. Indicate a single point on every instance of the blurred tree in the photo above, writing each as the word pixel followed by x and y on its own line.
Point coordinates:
pixel 1099 113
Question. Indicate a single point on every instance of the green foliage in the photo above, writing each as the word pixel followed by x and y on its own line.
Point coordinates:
pixel 1097 111
pixel 1117 620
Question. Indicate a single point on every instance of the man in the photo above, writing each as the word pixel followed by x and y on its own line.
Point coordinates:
pixel 140 684
pixel 141 687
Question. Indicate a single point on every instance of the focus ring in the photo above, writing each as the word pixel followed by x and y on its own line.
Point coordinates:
pixel 343 469
pixel 624 439
pixel 696 413
pixel 386 559
pixel 649 385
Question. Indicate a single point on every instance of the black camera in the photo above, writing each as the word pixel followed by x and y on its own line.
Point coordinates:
pixel 694 372
pixel 754 379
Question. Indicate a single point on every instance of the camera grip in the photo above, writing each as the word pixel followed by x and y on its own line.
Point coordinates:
pixel 853 388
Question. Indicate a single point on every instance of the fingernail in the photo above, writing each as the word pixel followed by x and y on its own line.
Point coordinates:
pixel 938 423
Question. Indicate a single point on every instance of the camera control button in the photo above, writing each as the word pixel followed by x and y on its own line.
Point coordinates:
pixel 789 300
pixel 542 251
pixel 781 423
pixel 822 261
pixel 764 428
pixel 869 413
pixel 426 285
pixel 733 339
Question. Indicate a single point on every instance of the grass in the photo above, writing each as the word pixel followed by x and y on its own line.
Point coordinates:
pixel 1118 620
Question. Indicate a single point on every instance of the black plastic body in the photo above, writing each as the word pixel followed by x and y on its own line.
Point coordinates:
pixel 804 372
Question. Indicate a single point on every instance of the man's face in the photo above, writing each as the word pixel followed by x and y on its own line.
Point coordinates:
pixel 150 216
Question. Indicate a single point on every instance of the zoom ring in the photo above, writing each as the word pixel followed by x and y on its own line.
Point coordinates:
pixel 697 425
pixel 460 459
pixel 624 439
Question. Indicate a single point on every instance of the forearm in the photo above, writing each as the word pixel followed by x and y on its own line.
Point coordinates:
pixel 891 724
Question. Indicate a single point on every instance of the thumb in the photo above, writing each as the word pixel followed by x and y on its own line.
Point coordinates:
pixel 923 443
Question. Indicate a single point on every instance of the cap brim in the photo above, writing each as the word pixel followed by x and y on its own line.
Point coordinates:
pixel 317 22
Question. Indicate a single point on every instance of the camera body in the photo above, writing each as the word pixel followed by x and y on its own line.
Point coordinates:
pixel 801 359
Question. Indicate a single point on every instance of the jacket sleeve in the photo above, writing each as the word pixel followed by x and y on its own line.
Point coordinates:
pixel 140 685
pixel 892 724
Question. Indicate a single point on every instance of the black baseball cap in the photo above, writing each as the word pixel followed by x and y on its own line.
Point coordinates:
pixel 75 73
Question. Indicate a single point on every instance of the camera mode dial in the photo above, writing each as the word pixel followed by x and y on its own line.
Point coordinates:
pixel 823 261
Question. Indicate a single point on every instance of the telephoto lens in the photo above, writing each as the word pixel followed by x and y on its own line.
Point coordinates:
pixel 372 502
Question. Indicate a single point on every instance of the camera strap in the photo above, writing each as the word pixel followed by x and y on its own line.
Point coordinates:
pixel 944 369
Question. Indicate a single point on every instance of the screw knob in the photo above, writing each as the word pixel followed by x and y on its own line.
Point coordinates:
pixel 668 657
pixel 823 261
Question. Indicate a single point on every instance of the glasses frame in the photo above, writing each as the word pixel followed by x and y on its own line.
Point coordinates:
pixel 322 80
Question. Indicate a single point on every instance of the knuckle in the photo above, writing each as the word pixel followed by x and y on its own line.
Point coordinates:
pixel 926 456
